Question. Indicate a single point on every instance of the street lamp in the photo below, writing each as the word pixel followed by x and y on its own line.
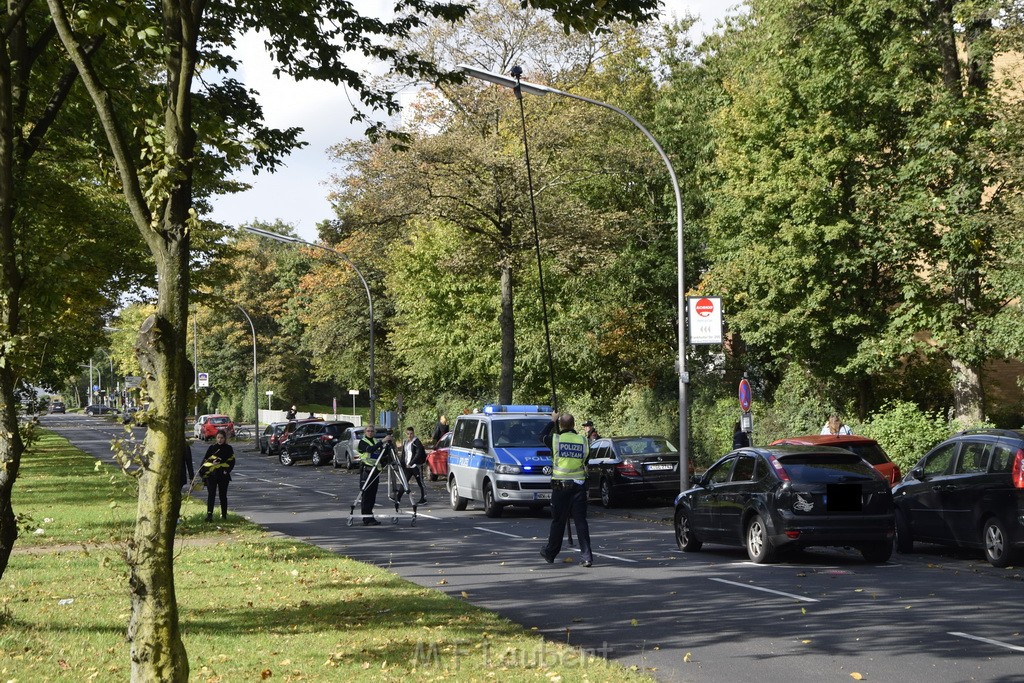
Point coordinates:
pixel 684 379
pixel 295 240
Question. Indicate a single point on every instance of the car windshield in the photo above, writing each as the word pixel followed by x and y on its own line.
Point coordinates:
pixel 518 433
pixel 646 445
pixel 819 468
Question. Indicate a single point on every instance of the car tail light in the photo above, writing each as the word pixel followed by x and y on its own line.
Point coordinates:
pixel 1017 474
pixel 779 469
pixel 792 534
pixel 897 475
pixel 627 469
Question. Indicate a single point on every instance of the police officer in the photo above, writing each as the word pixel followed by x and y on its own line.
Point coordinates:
pixel 369 452
pixel 569 453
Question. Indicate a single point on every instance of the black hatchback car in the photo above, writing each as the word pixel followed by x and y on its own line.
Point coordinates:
pixel 782 497
pixel 312 441
pixel 968 492
pixel 630 467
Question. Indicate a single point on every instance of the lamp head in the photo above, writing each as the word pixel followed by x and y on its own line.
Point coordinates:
pixel 517 71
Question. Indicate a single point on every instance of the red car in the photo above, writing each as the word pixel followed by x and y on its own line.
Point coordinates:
pixel 209 425
pixel 437 459
pixel 860 445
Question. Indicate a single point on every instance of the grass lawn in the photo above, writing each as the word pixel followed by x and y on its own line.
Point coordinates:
pixel 252 607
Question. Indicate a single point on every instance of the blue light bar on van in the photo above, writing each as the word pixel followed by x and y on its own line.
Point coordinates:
pixel 492 408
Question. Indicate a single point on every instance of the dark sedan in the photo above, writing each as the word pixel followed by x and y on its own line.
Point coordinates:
pixel 969 492
pixel 275 435
pixel 97 409
pixel 313 441
pixel 57 407
pixel 782 497
pixel 631 467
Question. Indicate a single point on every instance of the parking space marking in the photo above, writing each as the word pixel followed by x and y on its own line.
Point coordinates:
pixel 997 643
pixel 326 493
pixel 766 590
pixel 500 533
pixel 420 514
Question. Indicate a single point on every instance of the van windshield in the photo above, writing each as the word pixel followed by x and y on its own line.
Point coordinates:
pixel 518 432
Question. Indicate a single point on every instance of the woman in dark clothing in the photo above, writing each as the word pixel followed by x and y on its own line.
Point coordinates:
pixel 739 437
pixel 216 473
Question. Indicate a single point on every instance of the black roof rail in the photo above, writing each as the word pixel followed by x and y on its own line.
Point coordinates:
pixel 993 431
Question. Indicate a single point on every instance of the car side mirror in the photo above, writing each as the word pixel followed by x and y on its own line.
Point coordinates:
pixel 479 444
pixel 917 473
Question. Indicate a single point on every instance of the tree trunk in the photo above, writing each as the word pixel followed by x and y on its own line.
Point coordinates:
pixel 11 446
pixel 506 320
pixel 968 393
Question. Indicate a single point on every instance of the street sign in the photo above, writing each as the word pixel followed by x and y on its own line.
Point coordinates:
pixel 705 319
pixel 745 396
pixel 204 380
pixel 132 382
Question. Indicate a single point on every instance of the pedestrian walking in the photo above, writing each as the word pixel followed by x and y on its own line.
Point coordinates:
pixel 292 412
pixel 215 472
pixel 569 453
pixel 414 456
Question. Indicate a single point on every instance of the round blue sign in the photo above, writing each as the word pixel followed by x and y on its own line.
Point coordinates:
pixel 745 395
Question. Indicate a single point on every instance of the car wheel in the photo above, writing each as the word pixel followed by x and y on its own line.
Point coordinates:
pixel 263 449
pixel 904 537
pixel 318 458
pixel 877 553
pixel 285 458
pixel 685 538
pixel 492 508
pixel 348 461
pixel 759 546
pixel 997 545
pixel 607 498
pixel 458 503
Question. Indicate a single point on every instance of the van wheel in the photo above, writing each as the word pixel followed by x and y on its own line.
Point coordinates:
pixel 458 503
pixel 285 458
pixel 997 545
pixel 492 508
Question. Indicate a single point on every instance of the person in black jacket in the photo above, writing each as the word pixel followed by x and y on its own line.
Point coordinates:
pixel 413 456
pixel 216 473
pixel 740 439
pixel 290 415
pixel 440 429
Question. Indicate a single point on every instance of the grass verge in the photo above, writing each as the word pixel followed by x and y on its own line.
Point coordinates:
pixel 252 606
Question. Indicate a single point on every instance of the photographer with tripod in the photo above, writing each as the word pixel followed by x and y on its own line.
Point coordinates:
pixel 369 452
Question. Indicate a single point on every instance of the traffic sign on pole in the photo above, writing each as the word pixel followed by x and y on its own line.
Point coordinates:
pixel 705 319
pixel 745 396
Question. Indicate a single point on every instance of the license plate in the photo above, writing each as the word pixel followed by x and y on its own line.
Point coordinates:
pixel 542 495
pixel 660 467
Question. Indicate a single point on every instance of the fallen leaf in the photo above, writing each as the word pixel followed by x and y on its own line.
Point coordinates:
pixel 442 582
pixel 856 676
pixel 687 657
pixel 803 610
pixel 465 595
pixel 265 674
pixel 805 641
pixel 634 622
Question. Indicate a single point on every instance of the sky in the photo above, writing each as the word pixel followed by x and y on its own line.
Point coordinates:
pixel 297 193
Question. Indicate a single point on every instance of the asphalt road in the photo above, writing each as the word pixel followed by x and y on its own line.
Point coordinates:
pixel 933 616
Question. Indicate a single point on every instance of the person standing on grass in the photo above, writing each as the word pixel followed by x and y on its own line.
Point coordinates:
pixel 216 473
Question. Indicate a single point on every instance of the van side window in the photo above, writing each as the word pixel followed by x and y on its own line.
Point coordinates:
pixel 465 431
pixel 973 458
pixel 938 462
pixel 483 432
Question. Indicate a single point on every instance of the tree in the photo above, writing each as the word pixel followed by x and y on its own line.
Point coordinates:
pixel 165 129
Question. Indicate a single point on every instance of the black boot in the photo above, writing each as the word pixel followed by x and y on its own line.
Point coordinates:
pixel 209 516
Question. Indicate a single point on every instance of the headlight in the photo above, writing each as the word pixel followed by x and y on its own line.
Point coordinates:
pixel 507 469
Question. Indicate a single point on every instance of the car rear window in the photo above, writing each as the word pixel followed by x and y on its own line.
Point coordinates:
pixel 871 452
pixel 220 420
pixel 819 468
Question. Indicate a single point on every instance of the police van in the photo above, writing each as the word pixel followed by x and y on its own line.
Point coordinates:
pixel 498 458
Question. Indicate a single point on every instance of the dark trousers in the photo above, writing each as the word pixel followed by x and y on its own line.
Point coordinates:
pixel 416 473
pixel 569 500
pixel 216 483
pixel 369 490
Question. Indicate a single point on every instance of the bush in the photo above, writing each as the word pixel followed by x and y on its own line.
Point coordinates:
pixel 711 430
pixel 906 432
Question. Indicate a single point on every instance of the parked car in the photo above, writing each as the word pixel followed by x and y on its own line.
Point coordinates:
pixel 130 413
pixel 346 451
pixel 207 426
pixel 861 445
pixel 437 459
pixel 277 433
pixel 270 435
pixel 97 409
pixel 968 492
pixel 313 441
pixel 57 407
pixel 631 467
pixel 780 497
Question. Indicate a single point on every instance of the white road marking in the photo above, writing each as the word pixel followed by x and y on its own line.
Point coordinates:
pixel 998 643
pixel 766 590
pixel 500 533
pixel 325 493
pixel 521 538
pixel 419 514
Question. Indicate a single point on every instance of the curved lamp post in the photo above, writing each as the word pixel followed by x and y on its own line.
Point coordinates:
pixel 520 86
pixel 344 257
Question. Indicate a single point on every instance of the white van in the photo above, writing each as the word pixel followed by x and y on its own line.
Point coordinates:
pixel 497 457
